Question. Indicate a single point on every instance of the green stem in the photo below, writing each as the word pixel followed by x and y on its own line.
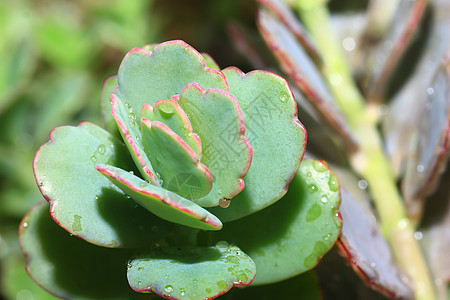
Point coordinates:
pixel 370 160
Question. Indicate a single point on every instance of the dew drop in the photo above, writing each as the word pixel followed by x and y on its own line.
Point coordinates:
pixel 222 244
pixel 349 44
pixel 93 158
pixel 418 235
pixel 430 91
pixel 373 264
pixel 362 184
pixel 25 225
pixel 420 168
pixel 194 281
pixel 127 105
pixel 284 97
pixel 140 268
pixel 327 236
pixel 168 289
pixel 224 202
pixel 166 276
pixel 312 188
pixel 324 199
pixel 319 166
pixel 309 174
pixel 101 149
pixel 222 284
pixel 208 290
pixel 139 282
pixel 182 292
pixel 333 184
pixel 131 172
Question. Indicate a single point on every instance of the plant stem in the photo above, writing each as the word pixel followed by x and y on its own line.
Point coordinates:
pixel 370 161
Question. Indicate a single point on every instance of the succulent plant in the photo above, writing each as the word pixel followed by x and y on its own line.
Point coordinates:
pixel 184 189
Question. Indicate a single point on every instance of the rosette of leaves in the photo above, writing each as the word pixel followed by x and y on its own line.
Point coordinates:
pixel 184 149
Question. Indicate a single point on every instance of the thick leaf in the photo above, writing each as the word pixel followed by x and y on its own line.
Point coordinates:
pixel 177 165
pixel 295 62
pixel 277 137
pixel 191 273
pixel 432 150
pixel 302 287
pixel 69 267
pixel 105 102
pixel 386 57
pixel 130 130
pixel 216 117
pixel 363 246
pixel 400 125
pixel 163 203
pixel 83 201
pixel 145 77
pixel 285 14
pixel 169 112
pixel 290 236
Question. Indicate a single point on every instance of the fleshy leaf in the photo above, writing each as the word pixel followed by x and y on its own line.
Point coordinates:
pixel 387 56
pixel 83 201
pixel 163 203
pixel 69 267
pixel 364 247
pixel 191 273
pixel 277 137
pixel 290 236
pixel 169 112
pixel 432 150
pixel 105 102
pixel 281 9
pixel 179 168
pixel 146 77
pixel 129 129
pixel 295 62
pixel 216 117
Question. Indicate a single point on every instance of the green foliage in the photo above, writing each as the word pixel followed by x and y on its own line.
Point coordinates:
pixel 197 137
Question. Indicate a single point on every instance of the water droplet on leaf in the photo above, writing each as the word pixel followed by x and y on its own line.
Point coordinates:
pixel 324 199
pixel 312 188
pixel 168 289
pixel 224 202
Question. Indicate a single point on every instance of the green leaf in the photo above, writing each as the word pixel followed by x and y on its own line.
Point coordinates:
pixel 69 267
pixel 105 102
pixel 145 77
pixel 176 163
pixel 191 273
pixel 130 130
pixel 276 135
pixel 163 203
pixel 290 236
pixel 83 201
pixel 216 117
pixel 169 112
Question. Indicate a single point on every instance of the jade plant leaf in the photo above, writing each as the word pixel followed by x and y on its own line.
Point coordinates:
pixel 277 137
pixel 69 267
pixel 169 112
pixel 191 273
pixel 177 165
pixel 216 117
pixel 83 201
pixel 290 236
pixel 163 203
pixel 130 130
pixel 148 76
